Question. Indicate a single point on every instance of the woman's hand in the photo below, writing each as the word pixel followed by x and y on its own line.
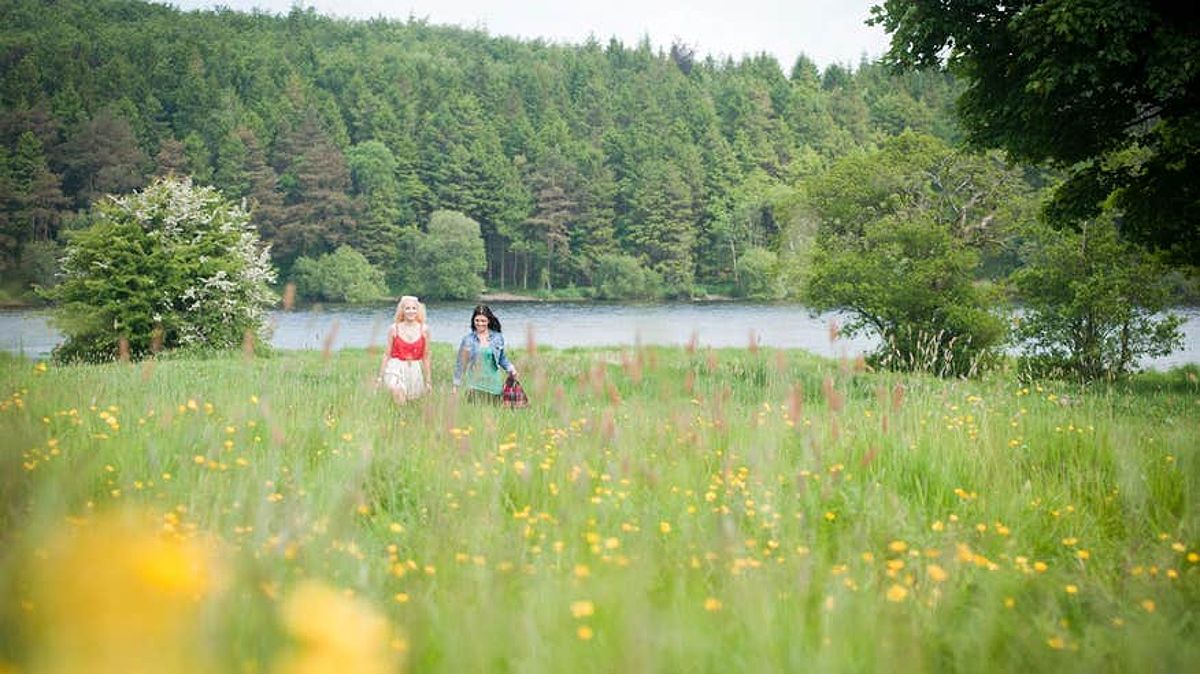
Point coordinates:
pixel 513 371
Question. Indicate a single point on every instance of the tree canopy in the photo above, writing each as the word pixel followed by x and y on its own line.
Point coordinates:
pixel 1108 90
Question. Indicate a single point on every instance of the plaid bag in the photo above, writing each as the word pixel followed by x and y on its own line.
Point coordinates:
pixel 513 395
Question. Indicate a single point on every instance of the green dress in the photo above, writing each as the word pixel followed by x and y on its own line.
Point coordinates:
pixel 484 375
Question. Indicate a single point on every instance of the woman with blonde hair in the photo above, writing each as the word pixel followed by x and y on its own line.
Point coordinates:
pixel 405 367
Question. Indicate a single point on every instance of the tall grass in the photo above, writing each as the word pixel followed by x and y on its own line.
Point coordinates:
pixel 654 510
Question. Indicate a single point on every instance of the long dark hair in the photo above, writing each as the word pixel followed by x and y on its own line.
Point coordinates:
pixel 485 310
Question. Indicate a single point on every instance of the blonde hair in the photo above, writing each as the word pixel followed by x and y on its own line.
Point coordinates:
pixel 400 313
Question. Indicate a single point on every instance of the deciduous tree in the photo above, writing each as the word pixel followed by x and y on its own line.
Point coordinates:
pixel 1107 90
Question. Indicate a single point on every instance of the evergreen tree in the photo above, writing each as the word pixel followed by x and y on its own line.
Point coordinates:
pixel 171 159
pixel 230 174
pixel 39 198
pixel 103 158
pixel 10 230
pixel 593 234
pixel 318 213
pixel 199 161
pixel 555 208
pixel 661 226
pixel 265 199
pixel 373 173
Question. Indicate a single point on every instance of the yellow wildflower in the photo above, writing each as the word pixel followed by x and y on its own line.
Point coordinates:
pixel 897 593
pixel 335 632
pixel 106 589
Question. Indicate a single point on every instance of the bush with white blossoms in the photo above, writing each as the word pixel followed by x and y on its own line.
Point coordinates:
pixel 174 265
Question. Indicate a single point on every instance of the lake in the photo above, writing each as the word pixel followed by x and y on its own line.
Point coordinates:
pixel 560 324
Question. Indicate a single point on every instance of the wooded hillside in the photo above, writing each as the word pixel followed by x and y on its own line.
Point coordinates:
pixel 353 132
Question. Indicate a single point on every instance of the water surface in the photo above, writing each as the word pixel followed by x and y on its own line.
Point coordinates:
pixel 561 324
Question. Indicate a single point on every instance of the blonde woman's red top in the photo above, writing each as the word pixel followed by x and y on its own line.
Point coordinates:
pixel 408 350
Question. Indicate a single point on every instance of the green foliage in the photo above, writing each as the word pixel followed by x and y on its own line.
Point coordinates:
pixel 758 275
pixel 39 263
pixel 318 213
pixel 1092 303
pixel 901 233
pixel 910 283
pixel 1105 89
pixel 173 265
pixel 623 277
pixel 451 258
pixel 373 170
pixel 345 275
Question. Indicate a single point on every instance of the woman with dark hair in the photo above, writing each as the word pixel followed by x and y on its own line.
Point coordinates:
pixel 481 363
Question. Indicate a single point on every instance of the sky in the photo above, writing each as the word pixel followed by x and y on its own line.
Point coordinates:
pixel 827 31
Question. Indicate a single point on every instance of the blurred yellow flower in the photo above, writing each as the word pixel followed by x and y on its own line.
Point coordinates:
pixel 584 633
pixel 335 633
pixel 937 573
pixel 582 608
pixel 113 595
pixel 712 604
pixel 897 593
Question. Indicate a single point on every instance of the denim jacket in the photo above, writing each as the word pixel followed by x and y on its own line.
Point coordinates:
pixel 468 353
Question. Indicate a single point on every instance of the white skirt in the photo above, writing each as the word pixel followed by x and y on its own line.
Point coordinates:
pixel 404 376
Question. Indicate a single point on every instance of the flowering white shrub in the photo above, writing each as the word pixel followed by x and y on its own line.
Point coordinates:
pixel 173 265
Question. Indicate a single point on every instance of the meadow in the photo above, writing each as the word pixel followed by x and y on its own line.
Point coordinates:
pixel 655 509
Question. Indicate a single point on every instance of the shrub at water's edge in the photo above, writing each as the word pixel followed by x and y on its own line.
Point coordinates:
pixel 174 265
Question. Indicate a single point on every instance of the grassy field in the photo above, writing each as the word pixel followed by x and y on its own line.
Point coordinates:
pixel 654 510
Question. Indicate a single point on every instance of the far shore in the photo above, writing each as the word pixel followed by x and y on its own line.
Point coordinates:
pixel 509 297
pixel 513 297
